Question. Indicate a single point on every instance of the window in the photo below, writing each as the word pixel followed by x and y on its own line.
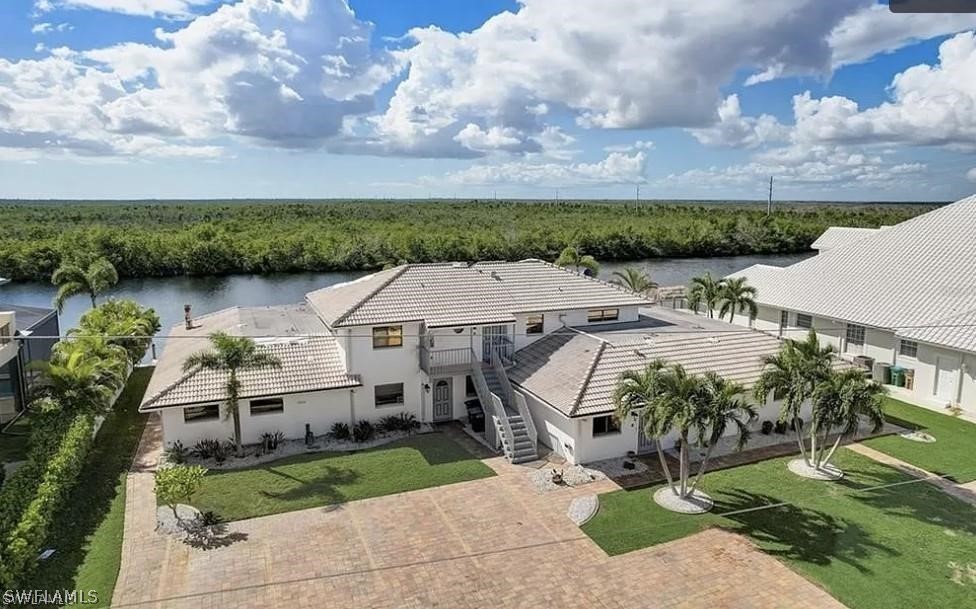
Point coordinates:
pixel 195 414
pixel 804 321
pixel 605 425
pixel 267 406
pixel 908 348
pixel 4 334
pixel 602 315
pixel 387 336
pixel 469 389
pixel 534 323
pixel 389 395
pixel 855 334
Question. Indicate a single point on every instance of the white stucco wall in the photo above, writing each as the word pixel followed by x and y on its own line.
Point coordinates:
pixel 384 366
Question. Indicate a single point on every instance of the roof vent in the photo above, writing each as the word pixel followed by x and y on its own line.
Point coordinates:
pixel 713 339
pixel 495 276
pixel 639 353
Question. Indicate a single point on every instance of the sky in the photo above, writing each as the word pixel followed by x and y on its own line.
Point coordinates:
pixel 838 100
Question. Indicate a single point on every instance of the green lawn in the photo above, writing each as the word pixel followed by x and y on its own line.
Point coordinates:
pixel 306 481
pixel 954 452
pixel 88 534
pixel 902 547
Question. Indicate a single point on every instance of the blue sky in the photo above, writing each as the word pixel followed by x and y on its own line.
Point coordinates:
pixel 319 98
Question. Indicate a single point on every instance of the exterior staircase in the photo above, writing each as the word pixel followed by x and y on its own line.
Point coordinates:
pixel 520 446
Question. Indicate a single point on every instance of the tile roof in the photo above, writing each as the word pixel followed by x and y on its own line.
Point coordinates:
pixel 576 372
pixel 904 277
pixel 452 294
pixel 837 236
pixel 310 357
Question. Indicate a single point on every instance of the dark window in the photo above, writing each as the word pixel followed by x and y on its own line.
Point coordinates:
pixel 855 334
pixel 4 334
pixel 908 348
pixel 595 315
pixel 469 389
pixel 267 406
pixel 387 336
pixel 605 425
pixel 534 324
pixel 804 321
pixel 389 395
pixel 194 414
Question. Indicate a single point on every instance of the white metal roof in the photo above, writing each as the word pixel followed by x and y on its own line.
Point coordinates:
pixel 837 236
pixel 905 277
pixel 453 294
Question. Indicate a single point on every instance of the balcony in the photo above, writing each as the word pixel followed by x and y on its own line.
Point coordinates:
pixel 445 361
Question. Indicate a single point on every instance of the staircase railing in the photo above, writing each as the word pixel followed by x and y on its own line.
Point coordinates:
pixel 493 408
pixel 523 410
pixel 498 364
pixel 516 401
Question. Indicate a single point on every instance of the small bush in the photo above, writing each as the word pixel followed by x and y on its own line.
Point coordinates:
pixel 270 441
pixel 212 448
pixel 767 428
pixel 780 427
pixel 340 431
pixel 362 431
pixel 176 453
pixel 404 421
pixel 177 484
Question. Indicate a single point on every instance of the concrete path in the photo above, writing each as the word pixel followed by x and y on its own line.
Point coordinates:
pixel 966 492
pixel 495 543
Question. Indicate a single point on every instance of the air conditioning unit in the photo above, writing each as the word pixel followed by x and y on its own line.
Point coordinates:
pixel 882 373
pixel 865 362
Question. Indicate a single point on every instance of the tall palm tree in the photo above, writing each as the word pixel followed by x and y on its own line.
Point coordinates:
pixel 705 290
pixel 571 257
pixel 77 380
pixel 121 318
pixel 737 297
pixel 698 408
pixel 634 279
pixel 93 279
pixel 232 354
pixel 792 375
pixel 840 402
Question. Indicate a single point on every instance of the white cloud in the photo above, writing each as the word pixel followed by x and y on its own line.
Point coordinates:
pixel 474 137
pixel 47 28
pixel 261 69
pixel 875 29
pixel 148 8
pixel 638 145
pixel 733 129
pixel 971 175
pixel 930 105
pixel 616 168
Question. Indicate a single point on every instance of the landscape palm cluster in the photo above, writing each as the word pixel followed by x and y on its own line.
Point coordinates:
pixel 729 296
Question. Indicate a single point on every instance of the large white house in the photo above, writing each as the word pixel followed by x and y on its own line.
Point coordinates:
pixel 539 347
pixel 900 300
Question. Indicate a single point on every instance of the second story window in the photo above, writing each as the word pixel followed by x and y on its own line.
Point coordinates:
pixel 534 324
pixel 908 348
pixel 387 336
pixel 598 315
pixel 855 334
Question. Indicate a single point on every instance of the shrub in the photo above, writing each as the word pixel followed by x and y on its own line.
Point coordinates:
pixel 340 431
pixel 210 518
pixel 780 427
pixel 404 421
pixel 177 484
pixel 362 431
pixel 122 318
pixel 270 441
pixel 176 453
pixel 26 534
pixel 207 448
pixel 767 428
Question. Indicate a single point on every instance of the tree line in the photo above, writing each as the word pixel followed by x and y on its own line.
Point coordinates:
pixel 213 238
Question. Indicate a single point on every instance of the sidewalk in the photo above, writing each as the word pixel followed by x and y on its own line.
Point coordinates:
pixel 966 492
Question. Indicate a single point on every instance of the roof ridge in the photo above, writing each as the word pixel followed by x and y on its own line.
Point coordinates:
pixel 588 377
pixel 610 284
pixel 399 271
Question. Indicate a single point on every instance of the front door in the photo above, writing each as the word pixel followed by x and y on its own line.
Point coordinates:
pixel 645 444
pixel 443 400
pixel 946 377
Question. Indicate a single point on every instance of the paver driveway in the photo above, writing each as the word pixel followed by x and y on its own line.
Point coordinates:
pixel 494 543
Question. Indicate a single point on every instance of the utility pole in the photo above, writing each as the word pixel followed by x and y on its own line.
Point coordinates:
pixel 769 201
pixel 557 195
pixel 637 200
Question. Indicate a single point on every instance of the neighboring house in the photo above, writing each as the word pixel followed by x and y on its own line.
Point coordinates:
pixel 836 236
pixel 537 345
pixel 902 297
pixel 27 334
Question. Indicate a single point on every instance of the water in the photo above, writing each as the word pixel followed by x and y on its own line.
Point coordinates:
pixel 167 295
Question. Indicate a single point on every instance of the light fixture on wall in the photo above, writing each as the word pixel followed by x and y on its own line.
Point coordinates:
pixel 427 387
pixel 458 330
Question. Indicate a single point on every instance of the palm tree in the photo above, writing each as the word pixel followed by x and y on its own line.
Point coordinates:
pixel 705 290
pixel 699 408
pixel 572 257
pixel 92 279
pixel 739 297
pixel 121 318
pixel 78 379
pixel 232 354
pixel 840 401
pixel 792 375
pixel 634 280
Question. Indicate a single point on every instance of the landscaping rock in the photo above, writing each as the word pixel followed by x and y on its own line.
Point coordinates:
pixel 695 503
pixel 583 508
pixel 574 475
pixel 918 436
pixel 826 472
pixel 168 523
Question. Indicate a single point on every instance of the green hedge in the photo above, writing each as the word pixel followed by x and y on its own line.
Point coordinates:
pixel 24 540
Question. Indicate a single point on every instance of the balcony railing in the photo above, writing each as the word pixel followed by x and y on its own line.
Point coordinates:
pixel 436 361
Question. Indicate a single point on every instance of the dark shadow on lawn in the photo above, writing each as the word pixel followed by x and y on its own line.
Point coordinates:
pixel 439 449
pixel 920 500
pixel 798 533
pixel 322 487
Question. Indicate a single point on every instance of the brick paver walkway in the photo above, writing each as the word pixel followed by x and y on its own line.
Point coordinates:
pixel 494 543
